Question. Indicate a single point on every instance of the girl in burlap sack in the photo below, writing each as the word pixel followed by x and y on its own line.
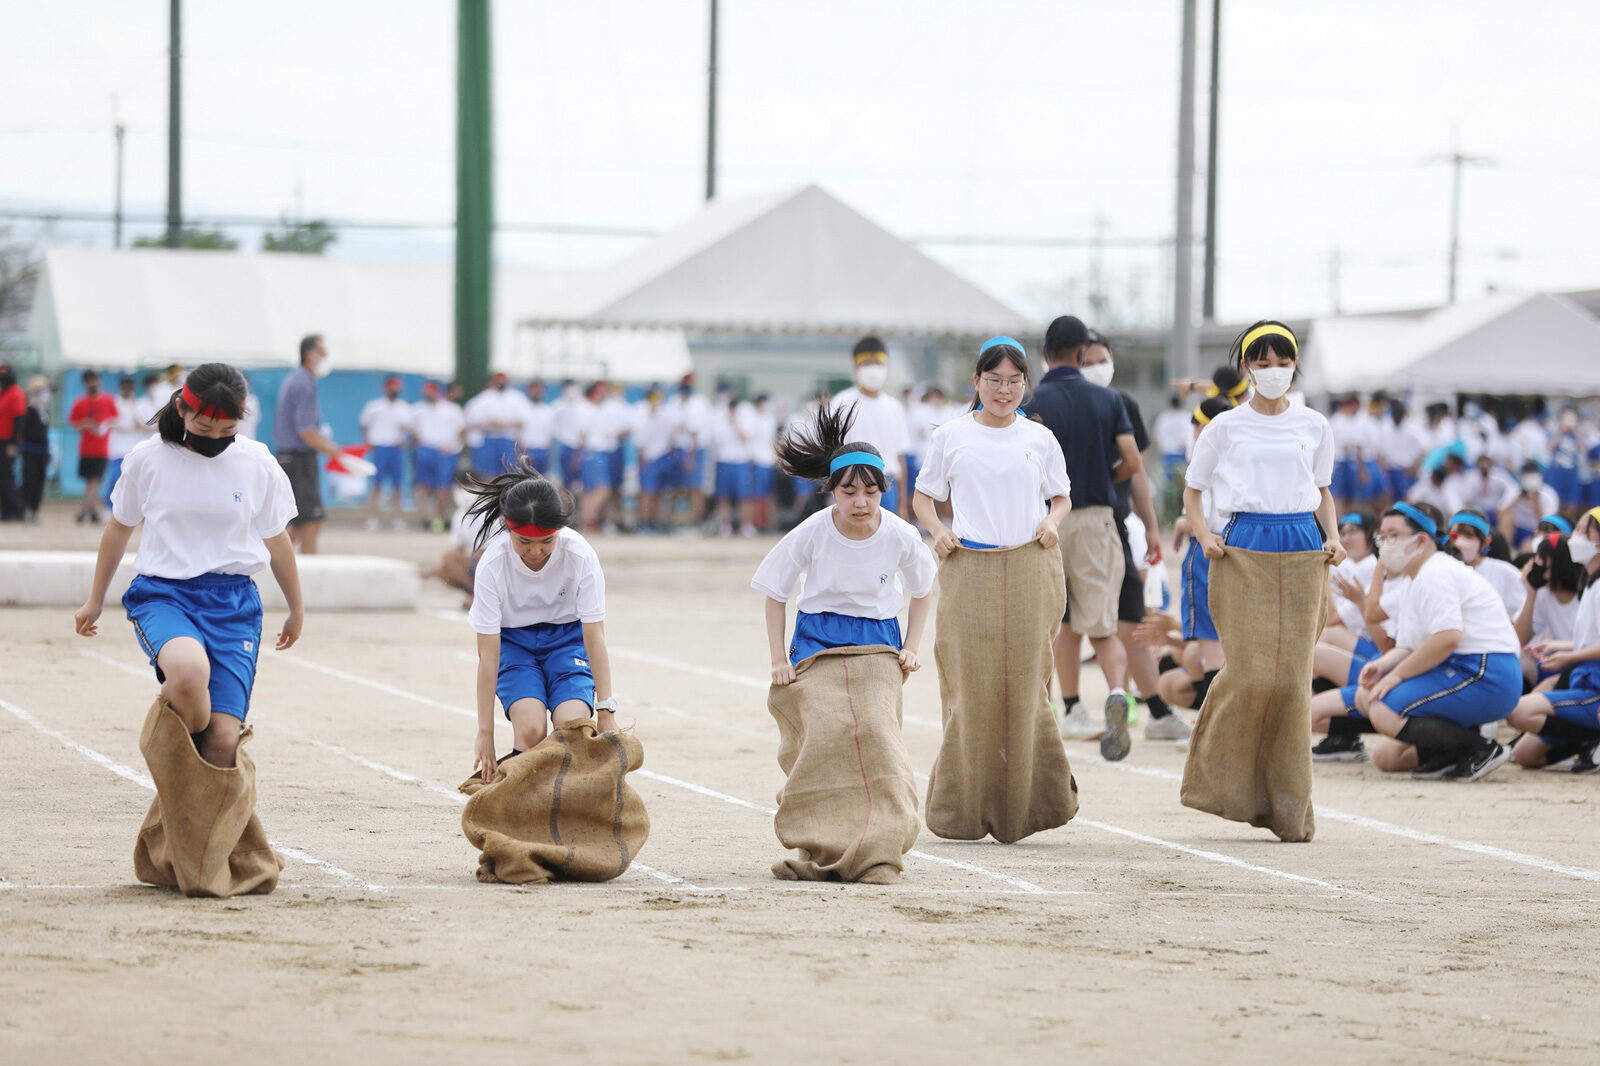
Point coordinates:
pixel 1268 464
pixel 1002 769
pixel 539 608
pixel 215 508
pixel 849 805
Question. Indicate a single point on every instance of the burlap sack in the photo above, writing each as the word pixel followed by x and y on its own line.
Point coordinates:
pixel 1250 755
pixel 563 810
pixel 849 805
pixel 202 835
pixel 1002 769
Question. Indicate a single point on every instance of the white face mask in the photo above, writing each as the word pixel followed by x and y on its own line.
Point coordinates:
pixel 872 376
pixel 1470 547
pixel 1272 382
pixel 1396 556
pixel 1582 550
pixel 1100 374
pixel 1532 482
pixel 323 369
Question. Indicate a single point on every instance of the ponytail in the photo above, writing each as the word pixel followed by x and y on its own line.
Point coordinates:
pixel 220 391
pixel 810 454
pixel 520 497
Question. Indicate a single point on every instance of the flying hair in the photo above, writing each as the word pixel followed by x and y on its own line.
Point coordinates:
pixel 808 452
pixel 520 497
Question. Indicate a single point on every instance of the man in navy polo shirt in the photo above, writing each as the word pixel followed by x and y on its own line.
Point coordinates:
pixel 1092 426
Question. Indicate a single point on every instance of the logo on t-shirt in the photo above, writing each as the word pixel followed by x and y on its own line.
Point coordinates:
pixel 883 579
pixel 563 591
pixel 238 497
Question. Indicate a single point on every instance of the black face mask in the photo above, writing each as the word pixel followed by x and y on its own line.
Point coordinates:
pixel 1537 576
pixel 210 447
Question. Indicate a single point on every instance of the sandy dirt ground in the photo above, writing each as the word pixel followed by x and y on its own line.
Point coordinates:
pixel 1428 921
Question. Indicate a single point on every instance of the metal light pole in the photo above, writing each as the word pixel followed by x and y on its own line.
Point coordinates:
pixel 711 111
pixel 174 238
pixel 116 214
pixel 1184 355
pixel 1208 299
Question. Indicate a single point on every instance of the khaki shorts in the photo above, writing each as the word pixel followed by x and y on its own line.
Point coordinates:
pixel 1091 553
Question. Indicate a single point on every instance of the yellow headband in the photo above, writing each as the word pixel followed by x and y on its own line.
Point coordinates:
pixel 1268 331
pixel 871 355
pixel 1594 513
pixel 1201 417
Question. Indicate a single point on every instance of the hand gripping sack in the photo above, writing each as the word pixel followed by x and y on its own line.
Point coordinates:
pixel 1002 769
pixel 201 835
pixel 849 804
pixel 562 811
pixel 1250 755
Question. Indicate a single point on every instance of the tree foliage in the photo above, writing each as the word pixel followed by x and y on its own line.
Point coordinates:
pixel 308 238
pixel 193 237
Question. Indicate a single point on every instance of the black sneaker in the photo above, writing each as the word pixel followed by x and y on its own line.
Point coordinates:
pixel 1584 763
pixel 1481 763
pixel 1440 766
pixel 1339 749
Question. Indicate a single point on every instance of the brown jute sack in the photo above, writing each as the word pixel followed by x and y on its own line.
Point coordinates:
pixel 1250 756
pixel 1002 769
pixel 562 811
pixel 202 835
pixel 849 805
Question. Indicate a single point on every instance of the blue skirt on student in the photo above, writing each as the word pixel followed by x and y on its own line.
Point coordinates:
pixel 824 629
pixel 1468 690
pixel 221 611
pixel 1579 704
pixel 546 662
pixel 1194 603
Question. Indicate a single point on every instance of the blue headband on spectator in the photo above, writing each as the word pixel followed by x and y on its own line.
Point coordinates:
pixel 1559 522
pixel 1462 518
pixel 855 459
pixel 1419 518
pixel 1353 519
pixel 993 341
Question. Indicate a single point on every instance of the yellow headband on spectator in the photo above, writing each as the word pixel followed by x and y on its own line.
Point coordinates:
pixel 871 355
pixel 1268 331
pixel 1201 417
pixel 1594 513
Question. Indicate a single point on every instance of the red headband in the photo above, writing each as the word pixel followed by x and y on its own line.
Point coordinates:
pixel 203 410
pixel 529 530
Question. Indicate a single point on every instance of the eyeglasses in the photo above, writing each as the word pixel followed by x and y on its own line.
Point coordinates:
pixel 1389 538
pixel 1002 384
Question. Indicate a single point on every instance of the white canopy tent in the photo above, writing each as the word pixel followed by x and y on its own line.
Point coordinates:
pixel 1535 344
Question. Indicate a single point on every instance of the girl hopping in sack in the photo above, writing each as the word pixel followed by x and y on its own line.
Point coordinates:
pixel 215 509
pixel 1002 769
pixel 849 805
pixel 539 608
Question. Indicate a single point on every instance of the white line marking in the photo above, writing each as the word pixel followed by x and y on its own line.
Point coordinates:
pixel 144 782
pixel 381 687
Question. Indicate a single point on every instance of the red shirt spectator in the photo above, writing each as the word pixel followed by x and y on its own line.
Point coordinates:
pixel 13 405
pixel 92 416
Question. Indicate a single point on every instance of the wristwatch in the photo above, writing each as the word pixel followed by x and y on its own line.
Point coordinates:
pixel 607 704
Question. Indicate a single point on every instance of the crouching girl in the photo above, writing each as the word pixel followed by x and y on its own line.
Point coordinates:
pixel 849 805
pixel 1564 722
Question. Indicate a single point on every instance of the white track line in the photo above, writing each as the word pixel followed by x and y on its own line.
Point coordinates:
pixel 1406 832
pixel 142 781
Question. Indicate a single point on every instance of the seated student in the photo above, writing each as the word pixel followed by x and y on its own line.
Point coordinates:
pixel 1553 583
pixel 458 566
pixel 1454 664
pixel 1485 551
pixel 1564 722
pixel 1345 637
pixel 1521 506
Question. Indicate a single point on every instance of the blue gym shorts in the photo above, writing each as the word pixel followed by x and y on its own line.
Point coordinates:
pixel 221 611
pixel 547 662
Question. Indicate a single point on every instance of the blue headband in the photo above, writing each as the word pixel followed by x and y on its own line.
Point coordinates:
pixel 1559 522
pixel 1419 518
pixel 855 459
pixel 1462 518
pixel 1353 519
pixel 995 341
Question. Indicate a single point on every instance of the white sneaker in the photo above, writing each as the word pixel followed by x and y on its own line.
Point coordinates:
pixel 1077 725
pixel 1172 727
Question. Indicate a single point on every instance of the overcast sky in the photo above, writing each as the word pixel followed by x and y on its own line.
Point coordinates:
pixel 1024 118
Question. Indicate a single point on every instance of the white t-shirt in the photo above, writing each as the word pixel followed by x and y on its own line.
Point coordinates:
pixel 1348 434
pixel 692 414
pixel 732 433
pixel 860 578
pixel 1586 629
pixel 997 480
pixel 881 422
pixel 496 412
pixel 507 595
pixel 1266 464
pixel 1447 594
pixel 1481 491
pixel 1506 580
pixel 385 422
pixel 1552 619
pixel 569 419
pixel 464 531
pixel 1399 445
pixel 538 425
pixel 1389 600
pixel 763 444
pixel 438 425
pixel 200 515
pixel 1353 613
pixel 608 424
pixel 1443 496
pixel 1172 432
pixel 654 429
pixel 1522 512
pixel 126 429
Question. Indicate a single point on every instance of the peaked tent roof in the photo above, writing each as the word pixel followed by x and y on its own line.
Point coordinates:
pixel 1529 344
pixel 797 261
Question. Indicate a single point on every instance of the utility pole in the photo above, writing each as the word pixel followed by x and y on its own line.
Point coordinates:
pixel 120 132
pixel 1457 160
pixel 174 238
pixel 1208 300
pixel 711 111
pixel 1184 355
pixel 474 267
pixel 1335 265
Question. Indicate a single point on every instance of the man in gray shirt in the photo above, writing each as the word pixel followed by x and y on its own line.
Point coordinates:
pixel 298 440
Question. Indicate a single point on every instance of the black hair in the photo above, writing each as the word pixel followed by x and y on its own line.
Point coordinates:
pixel 808 453
pixel 149 379
pixel 1440 536
pixel 125 380
pixel 1498 548
pixel 1563 575
pixel 1274 342
pixel 1065 334
pixel 1211 407
pixel 1227 380
pixel 308 344
pixel 1368 524
pixel 867 344
pixel 215 385
pixel 521 496
pixel 8 377
pixel 992 357
pixel 90 375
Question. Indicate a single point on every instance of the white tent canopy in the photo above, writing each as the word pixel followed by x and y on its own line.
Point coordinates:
pixel 1515 344
pixel 152 307
pixel 796 261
